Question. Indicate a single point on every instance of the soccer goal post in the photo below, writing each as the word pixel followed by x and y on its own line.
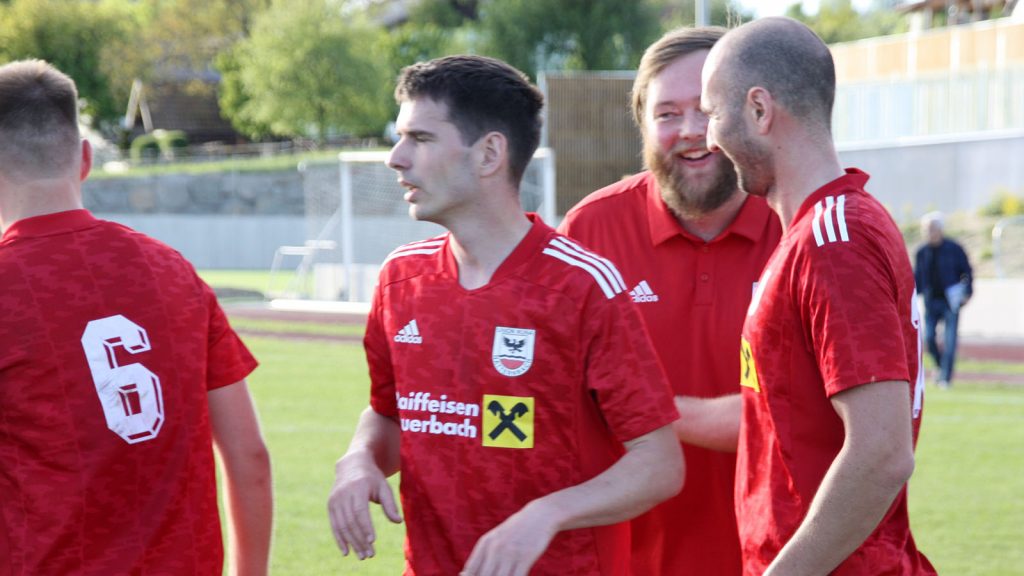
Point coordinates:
pixel 368 218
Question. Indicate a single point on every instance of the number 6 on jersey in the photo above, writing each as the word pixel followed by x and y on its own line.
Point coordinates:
pixel 130 394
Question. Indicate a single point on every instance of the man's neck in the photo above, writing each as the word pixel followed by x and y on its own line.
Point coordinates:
pixel 798 175
pixel 38 198
pixel 708 226
pixel 480 244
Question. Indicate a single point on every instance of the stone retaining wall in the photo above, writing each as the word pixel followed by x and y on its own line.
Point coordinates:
pixel 272 193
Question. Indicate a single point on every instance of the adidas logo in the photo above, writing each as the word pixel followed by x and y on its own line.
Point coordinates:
pixel 643 293
pixel 409 335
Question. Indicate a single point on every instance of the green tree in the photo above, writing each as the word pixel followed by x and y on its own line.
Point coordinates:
pixel 570 34
pixel 444 13
pixel 723 13
pixel 75 37
pixel 182 38
pixel 309 68
pixel 414 41
pixel 839 21
pixel 232 97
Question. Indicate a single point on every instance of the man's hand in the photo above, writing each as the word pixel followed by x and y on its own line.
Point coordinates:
pixel 358 481
pixel 512 547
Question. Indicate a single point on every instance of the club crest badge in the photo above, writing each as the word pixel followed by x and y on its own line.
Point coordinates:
pixel 512 353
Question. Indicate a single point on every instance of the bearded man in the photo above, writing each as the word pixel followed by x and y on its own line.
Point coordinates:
pixel 691 246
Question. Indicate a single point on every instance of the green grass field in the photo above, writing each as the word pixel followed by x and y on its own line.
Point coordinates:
pixel 309 396
pixel 965 497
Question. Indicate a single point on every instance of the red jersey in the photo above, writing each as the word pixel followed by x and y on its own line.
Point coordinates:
pixel 834 309
pixel 693 296
pixel 110 345
pixel 509 392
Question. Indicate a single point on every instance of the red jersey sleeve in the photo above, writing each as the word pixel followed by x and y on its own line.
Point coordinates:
pixel 622 369
pixel 228 359
pixel 568 226
pixel 378 359
pixel 852 313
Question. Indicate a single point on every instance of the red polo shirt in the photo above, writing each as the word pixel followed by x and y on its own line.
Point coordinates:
pixel 693 296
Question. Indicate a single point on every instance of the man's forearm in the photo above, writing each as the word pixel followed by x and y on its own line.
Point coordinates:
pixel 712 423
pixel 846 510
pixel 376 437
pixel 247 485
pixel 249 502
pixel 874 464
pixel 650 471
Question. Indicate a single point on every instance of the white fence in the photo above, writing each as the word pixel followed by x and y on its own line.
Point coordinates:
pixel 959 103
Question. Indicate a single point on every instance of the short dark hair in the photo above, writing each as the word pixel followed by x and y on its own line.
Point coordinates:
pixel 666 50
pixel 789 60
pixel 38 120
pixel 482 95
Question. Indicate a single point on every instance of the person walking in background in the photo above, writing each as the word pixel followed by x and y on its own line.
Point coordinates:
pixel 832 386
pixel 119 374
pixel 944 282
pixel 512 381
pixel 691 245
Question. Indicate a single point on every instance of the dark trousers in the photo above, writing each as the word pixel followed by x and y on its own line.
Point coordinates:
pixel 937 310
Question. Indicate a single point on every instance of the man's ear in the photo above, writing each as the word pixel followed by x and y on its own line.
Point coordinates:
pixel 86 166
pixel 761 108
pixel 493 153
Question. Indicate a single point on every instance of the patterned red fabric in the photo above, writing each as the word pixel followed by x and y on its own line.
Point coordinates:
pixel 110 345
pixel 835 309
pixel 509 392
pixel 693 296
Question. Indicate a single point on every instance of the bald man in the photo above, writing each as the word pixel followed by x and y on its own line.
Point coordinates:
pixel 831 380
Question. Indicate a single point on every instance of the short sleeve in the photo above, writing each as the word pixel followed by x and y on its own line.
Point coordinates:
pixel 378 359
pixel 622 369
pixel 852 312
pixel 228 359
pixel 567 226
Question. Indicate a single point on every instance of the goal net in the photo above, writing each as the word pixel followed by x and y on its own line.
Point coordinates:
pixel 356 216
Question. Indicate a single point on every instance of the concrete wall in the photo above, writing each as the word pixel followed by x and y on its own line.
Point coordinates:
pixel 233 220
pixel 912 177
pixel 218 241
pixel 996 311
pixel 229 193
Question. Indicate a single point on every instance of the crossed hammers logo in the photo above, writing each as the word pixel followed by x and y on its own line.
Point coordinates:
pixel 507 420
pixel 747 357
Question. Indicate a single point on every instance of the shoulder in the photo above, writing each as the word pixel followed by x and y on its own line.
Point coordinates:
pixel 631 191
pixel 572 268
pixel 143 240
pixel 848 219
pixel 954 245
pixel 412 259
